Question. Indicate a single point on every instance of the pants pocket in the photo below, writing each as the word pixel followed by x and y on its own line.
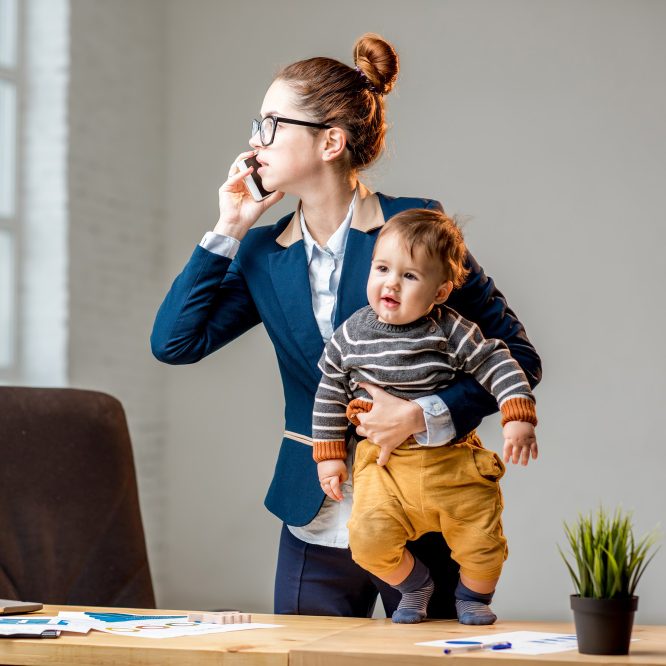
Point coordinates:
pixel 366 453
pixel 488 464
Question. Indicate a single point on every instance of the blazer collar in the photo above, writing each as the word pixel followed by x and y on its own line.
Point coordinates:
pixel 367 216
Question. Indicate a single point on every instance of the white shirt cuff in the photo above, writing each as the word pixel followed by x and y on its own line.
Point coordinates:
pixel 225 246
pixel 439 424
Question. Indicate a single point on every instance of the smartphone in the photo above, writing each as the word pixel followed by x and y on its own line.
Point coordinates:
pixel 253 181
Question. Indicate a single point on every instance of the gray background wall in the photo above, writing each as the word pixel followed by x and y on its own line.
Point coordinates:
pixel 541 121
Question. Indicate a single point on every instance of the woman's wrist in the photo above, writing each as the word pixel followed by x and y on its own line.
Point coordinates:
pixel 417 418
pixel 225 228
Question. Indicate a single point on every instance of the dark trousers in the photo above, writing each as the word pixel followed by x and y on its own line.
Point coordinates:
pixel 318 580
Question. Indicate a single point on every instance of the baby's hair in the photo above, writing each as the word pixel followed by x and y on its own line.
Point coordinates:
pixel 437 234
pixel 352 98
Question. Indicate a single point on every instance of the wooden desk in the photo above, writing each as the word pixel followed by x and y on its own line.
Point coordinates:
pixel 308 641
pixel 382 643
pixel 266 647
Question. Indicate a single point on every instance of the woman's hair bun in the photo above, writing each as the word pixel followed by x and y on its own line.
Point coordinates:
pixel 378 61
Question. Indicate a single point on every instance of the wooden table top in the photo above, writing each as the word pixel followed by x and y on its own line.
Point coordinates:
pixel 267 647
pixel 383 643
pixel 307 641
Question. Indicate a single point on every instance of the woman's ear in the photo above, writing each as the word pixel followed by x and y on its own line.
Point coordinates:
pixel 443 292
pixel 335 142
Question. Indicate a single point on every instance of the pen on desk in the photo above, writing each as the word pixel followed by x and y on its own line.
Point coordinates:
pixel 499 645
pixel 47 633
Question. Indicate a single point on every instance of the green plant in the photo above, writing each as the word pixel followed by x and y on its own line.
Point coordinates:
pixel 608 562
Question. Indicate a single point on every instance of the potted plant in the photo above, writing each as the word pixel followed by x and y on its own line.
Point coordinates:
pixel 607 564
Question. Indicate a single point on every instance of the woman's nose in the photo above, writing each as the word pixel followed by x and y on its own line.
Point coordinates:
pixel 254 140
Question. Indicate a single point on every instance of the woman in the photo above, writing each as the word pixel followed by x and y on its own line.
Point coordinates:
pixel 322 122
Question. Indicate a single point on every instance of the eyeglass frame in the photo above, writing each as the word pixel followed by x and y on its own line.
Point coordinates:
pixel 256 126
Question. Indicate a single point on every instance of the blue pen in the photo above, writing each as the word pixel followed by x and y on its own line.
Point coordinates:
pixel 469 646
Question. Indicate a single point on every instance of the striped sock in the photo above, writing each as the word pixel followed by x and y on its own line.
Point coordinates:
pixel 472 607
pixel 416 591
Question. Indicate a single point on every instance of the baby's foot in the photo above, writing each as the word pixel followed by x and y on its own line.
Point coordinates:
pixel 413 605
pixel 474 612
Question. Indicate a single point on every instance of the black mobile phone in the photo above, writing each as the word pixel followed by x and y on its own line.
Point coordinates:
pixel 253 181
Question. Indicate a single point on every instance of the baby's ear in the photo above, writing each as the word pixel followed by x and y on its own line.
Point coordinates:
pixel 443 292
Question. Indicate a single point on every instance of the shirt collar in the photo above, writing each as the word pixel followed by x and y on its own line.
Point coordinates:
pixel 336 243
pixel 368 216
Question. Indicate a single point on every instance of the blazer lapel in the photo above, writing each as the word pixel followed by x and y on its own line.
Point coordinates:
pixel 289 275
pixel 355 269
pixel 368 217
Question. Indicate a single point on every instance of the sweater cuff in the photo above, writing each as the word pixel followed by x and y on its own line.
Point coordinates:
pixel 519 409
pixel 357 406
pixel 329 451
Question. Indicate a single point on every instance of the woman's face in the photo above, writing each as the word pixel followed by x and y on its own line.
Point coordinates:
pixel 293 160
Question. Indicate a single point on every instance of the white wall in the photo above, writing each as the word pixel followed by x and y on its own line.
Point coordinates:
pixel 92 196
pixel 543 121
pixel 115 176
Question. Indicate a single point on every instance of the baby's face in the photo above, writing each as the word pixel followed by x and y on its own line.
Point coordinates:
pixel 402 288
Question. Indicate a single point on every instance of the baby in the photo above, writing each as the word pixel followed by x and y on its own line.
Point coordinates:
pixel 410 344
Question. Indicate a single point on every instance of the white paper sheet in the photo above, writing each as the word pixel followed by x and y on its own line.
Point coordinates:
pixel 166 627
pixel 522 642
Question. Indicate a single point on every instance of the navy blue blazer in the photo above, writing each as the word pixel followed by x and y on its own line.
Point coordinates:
pixel 214 300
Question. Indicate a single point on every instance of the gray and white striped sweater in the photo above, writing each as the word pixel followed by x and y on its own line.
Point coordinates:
pixel 410 361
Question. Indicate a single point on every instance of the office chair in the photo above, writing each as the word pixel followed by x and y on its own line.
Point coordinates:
pixel 70 523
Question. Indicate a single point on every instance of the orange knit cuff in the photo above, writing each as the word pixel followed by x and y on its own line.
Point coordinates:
pixel 329 451
pixel 357 406
pixel 519 409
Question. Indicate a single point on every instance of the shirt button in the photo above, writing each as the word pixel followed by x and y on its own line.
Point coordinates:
pixel 442 345
pixel 432 329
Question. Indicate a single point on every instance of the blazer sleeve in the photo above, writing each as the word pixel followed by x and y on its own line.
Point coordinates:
pixel 480 301
pixel 209 304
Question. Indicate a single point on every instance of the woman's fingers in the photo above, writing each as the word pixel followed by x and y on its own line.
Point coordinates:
pixel 272 199
pixel 242 156
pixel 235 179
pixel 383 457
pixel 233 169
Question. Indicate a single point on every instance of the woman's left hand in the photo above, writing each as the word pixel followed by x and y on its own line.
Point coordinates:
pixel 390 421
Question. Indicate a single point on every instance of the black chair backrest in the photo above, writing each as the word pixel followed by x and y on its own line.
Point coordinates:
pixel 70 523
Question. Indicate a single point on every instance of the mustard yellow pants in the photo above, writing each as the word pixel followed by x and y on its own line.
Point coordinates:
pixel 450 489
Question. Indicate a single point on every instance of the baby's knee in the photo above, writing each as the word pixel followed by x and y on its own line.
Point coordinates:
pixel 377 543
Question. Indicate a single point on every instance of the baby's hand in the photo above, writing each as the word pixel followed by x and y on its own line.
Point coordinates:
pixel 519 441
pixel 332 474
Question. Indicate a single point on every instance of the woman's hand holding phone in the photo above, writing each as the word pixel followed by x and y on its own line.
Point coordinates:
pixel 238 210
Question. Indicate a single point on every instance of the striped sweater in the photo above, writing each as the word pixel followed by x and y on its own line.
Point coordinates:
pixel 410 361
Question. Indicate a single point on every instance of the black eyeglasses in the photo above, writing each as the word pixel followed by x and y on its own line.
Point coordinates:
pixel 267 126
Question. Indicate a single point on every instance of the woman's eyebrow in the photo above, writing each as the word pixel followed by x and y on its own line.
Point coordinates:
pixel 270 113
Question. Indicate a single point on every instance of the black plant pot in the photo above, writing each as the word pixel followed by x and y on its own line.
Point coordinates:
pixel 603 626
